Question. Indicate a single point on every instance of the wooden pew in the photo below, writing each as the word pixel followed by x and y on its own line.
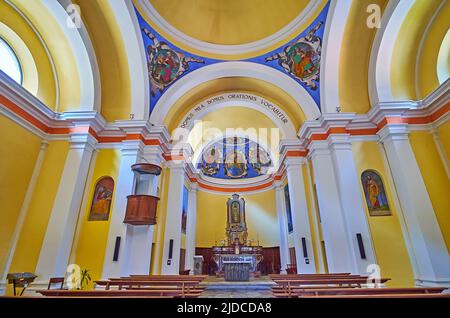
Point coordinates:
pixel 366 291
pixel 382 296
pixel 288 284
pixel 116 293
pixel 186 287
pixel 161 278
pixel 290 276
pixel 168 277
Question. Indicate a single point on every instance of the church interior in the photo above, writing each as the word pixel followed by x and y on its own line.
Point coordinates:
pixel 212 148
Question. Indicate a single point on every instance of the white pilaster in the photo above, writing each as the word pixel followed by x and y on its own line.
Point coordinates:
pixel 432 259
pixel 282 225
pixel 56 248
pixel 23 212
pixel 191 227
pixel 300 219
pixel 131 153
pixel 172 230
pixel 334 230
pixel 352 200
pixel 137 252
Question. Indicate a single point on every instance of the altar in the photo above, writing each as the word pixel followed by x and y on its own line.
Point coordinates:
pixel 236 258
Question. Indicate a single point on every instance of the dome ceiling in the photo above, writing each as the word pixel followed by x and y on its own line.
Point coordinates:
pixel 230 22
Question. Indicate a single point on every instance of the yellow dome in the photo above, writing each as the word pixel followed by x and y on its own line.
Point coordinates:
pixel 229 22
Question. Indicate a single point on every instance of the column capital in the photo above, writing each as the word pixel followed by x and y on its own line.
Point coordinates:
pixel 392 132
pixel 153 154
pixel 339 142
pixel 194 187
pixel 318 147
pixel 131 147
pixel 176 166
pixel 278 185
pixel 44 144
pixel 291 162
pixel 82 141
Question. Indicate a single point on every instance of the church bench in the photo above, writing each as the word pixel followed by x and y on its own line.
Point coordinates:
pixel 118 293
pixel 316 277
pixel 358 281
pixel 281 276
pixel 382 296
pixel 167 277
pixel 120 284
pixel 366 291
pixel 289 284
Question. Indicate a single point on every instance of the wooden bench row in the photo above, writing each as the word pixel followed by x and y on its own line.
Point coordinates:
pixel 139 286
pixel 299 292
pixel 343 285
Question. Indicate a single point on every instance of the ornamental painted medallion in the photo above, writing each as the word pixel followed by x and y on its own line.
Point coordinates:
pixel 301 59
pixel 165 65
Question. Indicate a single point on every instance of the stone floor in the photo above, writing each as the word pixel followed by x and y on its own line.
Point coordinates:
pixel 219 288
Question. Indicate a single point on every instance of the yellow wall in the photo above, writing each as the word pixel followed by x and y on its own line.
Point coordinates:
pixel 390 249
pixel 444 135
pixel 111 56
pixel 93 235
pixel 156 263
pixel 59 49
pixel 403 66
pixel 428 80
pixel 238 22
pixel 435 178
pixel 355 57
pixel 19 149
pixel 311 212
pixel 260 214
pixel 35 225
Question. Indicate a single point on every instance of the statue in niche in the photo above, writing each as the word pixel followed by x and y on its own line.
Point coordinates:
pixel 236 225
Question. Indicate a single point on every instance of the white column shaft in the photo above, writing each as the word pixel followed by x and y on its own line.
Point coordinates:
pixel 282 225
pixel 172 232
pixel 130 154
pixel 432 259
pixel 191 228
pixel 300 219
pixel 55 251
pixel 138 249
pixel 337 243
pixel 352 201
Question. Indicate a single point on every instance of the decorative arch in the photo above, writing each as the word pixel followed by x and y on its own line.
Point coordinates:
pixel 78 60
pixel 251 101
pixel 179 37
pixel 9 62
pixel 137 62
pixel 382 51
pixel 30 76
pixel 233 69
pixel 330 60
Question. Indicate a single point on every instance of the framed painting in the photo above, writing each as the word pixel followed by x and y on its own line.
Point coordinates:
pixel 375 193
pixel 101 201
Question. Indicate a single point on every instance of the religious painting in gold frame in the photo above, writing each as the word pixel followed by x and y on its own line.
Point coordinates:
pixel 375 193
pixel 101 200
